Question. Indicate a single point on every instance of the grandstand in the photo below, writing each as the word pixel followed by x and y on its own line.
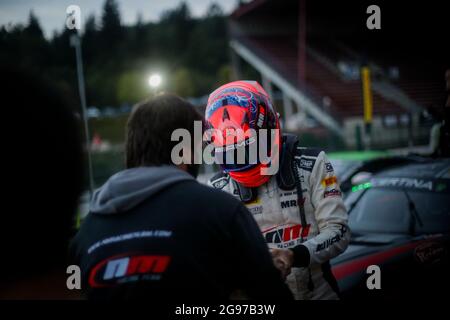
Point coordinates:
pixel 312 64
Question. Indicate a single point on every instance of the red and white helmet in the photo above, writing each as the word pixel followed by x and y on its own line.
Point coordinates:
pixel 237 107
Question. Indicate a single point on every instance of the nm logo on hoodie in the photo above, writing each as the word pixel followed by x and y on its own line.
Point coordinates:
pixel 117 270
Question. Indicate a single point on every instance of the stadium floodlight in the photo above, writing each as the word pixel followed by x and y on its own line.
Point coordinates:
pixel 154 80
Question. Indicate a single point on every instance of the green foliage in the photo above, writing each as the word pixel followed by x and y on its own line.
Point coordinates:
pixel 184 84
pixel 223 75
pixel 131 87
pixel 111 31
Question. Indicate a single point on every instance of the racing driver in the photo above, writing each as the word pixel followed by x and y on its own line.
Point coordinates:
pixel 299 209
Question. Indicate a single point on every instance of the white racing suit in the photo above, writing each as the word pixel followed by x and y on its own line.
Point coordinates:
pixel 320 235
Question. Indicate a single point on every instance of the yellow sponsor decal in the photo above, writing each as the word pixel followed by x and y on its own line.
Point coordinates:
pixel 367 95
pixel 254 202
pixel 329 181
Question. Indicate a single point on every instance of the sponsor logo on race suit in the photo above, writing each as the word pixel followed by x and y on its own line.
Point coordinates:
pixel 328 242
pixel 331 181
pixel 307 164
pixel 332 193
pixel 328 167
pixel 220 183
pixel 255 206
pixel 287 235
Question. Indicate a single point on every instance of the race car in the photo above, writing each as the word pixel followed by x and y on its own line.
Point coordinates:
pixel 400 222
pixel 350 167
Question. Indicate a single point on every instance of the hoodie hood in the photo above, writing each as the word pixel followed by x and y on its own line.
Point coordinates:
pixel 128 188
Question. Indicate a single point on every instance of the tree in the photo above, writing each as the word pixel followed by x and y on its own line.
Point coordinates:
pixel 208 40
pixel 180 13
pixel 192 51
pixel 90 40
pixel 90 27
pixel 63 53
pixel 33 29
pixel 110 16
pixel 179 24
pixel 111 28
pixel 214 10
pixel 140 34
pixel 139 21
pixel 184 84
pixel 32 40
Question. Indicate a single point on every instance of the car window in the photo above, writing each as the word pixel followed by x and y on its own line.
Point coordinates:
pixel 434 210
pixel 387 210
pixel 343 167
pixel 380 210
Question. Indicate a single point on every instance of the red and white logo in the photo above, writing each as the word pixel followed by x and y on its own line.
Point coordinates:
pixel 286 235
pixel 120 269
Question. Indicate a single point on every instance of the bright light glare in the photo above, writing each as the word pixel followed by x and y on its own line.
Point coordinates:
pixel 154 80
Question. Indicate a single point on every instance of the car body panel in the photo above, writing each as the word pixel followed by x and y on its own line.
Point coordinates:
pixel 412 265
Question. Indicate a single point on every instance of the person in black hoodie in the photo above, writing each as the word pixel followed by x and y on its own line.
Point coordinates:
pixel 153 231
pixel 42 178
